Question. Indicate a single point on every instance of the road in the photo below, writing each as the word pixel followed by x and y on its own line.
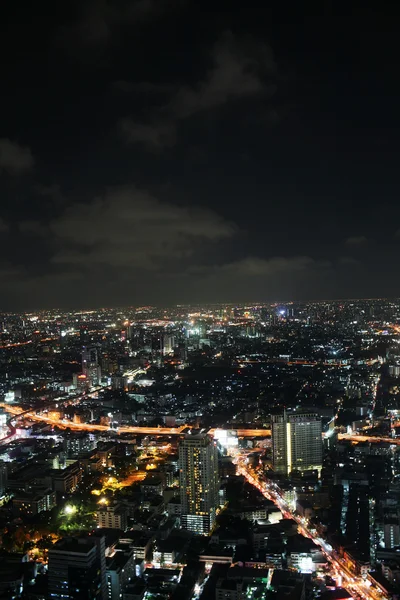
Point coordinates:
pixel 368 438
pixel 248 433
pixel 353 583
pixel 240 432
pixel 257 433
pixel 19 412
pixel 63 424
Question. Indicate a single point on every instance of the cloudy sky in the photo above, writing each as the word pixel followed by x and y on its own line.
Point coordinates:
pixel 164 151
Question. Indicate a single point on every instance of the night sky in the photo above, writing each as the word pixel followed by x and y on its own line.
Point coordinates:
pixel 174 151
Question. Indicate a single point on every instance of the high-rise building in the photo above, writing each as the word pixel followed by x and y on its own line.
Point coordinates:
pixel 199 482
pixel 90 366
pixel 77 569
pixel 391 533
pixel 296 442
pixel 78 443
pixel 3 477
pixel 168 344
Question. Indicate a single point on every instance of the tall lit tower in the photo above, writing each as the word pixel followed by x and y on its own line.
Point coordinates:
pixel 296 442
pixel 90 366
pixel 3 478
pixel 199 482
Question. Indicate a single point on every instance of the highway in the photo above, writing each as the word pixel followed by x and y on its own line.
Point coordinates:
pixel 240 432
pixel 368 438
pixel 355 584
pixel 63 424
pixel 247 433
pixel 256 433
pixel 19 412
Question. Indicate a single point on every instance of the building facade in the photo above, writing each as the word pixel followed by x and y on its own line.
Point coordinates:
pixel 199 482
pixel 90 366
pixel 296 442
pixel 34 502
pixel 112 517
pixel 77 569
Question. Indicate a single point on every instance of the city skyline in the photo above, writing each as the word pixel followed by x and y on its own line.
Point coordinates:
pixel 87 309
pixel 183 452
pixel 199 309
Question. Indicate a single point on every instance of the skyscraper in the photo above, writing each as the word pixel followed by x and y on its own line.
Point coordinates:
pixel 296 442
pixel 199 482
pixel 77 569
pixel 168 343
pixel 3 477
pixel 90 366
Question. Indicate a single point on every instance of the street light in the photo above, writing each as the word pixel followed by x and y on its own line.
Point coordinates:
pixel 69 510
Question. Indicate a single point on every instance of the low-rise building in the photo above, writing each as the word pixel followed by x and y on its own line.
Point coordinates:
pixel 174 507
pixel 230 589
pixel 134 591
pixel 152 486
pixel 139 542
pixel 34 502
pixel 66 480
pixel 112 517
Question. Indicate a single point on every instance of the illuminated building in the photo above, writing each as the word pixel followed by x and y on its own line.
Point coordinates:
pixel 34 502
pixel 79 381
pixel 168 344
pixel 112 517
pixel 391 531
pixel 199 483
pixel 77 569
pixel 121 569
pixel 77 444
pixel 9 397
pixel 90 366
pixel 296 442
pixel 3 478
pixel 227 589
pixel 3 419
pixel 360 520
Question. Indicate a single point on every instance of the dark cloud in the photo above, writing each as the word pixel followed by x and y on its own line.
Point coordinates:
pixel 33 227
pixel 154 136
pixel 260 278
pixel 100 24
pixel 143 10
pixel 261 267
pixel 128 227
pixel 15 158
pixel 356 240
pixel 349 261
pixel 127 235
pixel 3 226
pixel 52 194
pixel 240 69
pixel 144 87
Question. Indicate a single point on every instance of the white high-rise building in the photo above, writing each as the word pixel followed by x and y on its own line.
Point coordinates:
pixel 391 532
pixel 296 442
pixel 199 482
pixel 168 344
pixel 90 366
